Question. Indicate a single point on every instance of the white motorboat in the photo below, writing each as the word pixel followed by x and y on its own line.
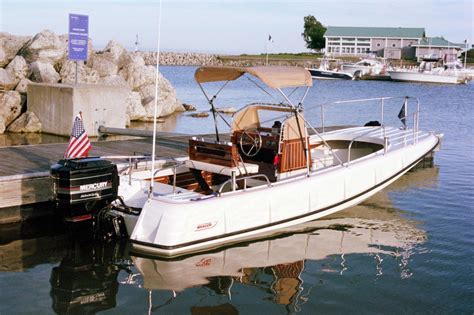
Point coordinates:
pixel 271 174
pixel 372 67
pixel 364 229
pixel 429 72
pixel 324 72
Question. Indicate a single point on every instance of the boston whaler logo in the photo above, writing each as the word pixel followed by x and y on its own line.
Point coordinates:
pixel 94 186
pixel 205 262
pixel 205 226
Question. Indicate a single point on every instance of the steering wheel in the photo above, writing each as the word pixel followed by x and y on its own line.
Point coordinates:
pixel 250 142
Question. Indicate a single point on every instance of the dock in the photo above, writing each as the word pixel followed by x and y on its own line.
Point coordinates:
pixel 24 170
pixel 25 187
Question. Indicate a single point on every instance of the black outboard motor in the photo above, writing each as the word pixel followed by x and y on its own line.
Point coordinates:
pixel 85 282
pixel 82 187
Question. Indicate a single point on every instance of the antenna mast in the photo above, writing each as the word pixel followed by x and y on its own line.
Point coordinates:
pixel 150 194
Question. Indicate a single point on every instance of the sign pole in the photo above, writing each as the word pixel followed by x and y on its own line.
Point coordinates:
pixel 76 72
pixel 78 39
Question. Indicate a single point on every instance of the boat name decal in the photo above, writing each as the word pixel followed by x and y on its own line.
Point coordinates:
pixel 205 226
pixel 93 186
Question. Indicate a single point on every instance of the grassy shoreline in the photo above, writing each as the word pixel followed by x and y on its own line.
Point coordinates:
pixel 303 59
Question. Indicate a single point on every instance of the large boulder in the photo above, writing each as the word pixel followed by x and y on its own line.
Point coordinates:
pixel 22 86
pixel 147 94
pixel 9 47
pixel 167 100
pixel 44 46
pixel 10 108
pixel 3 57
pixel 116 53
pixel 44 72
pixel 135 110
pixel 84 73
pixel 18 67
pixel 137 74
pixel 103 65
pixel 7 80
pixel 27 122
pixel 115 80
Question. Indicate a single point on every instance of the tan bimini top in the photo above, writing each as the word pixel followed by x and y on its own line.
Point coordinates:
pixel 273 76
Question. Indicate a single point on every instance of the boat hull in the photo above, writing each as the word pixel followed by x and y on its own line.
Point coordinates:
pixel 170 228
pixel 329 75
pixel 425 77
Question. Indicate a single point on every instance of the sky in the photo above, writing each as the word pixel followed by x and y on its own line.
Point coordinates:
pixel 230 26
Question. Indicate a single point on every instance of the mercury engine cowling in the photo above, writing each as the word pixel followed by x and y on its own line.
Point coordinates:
pixel 81 187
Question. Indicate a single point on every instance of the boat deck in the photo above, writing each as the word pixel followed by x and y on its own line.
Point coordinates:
pixel 397 137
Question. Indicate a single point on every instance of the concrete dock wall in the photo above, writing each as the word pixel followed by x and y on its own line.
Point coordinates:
pixel 56 105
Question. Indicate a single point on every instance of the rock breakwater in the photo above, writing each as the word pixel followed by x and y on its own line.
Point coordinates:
pixel 43 58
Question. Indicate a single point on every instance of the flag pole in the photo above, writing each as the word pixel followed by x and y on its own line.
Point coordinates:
pixel 266 53
pixel 465 54
pixel 156 104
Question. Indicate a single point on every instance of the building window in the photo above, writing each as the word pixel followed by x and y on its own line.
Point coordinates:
pixel 394 45
pixel 378 44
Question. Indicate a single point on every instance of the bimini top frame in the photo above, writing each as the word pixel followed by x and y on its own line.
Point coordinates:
pixel 275 77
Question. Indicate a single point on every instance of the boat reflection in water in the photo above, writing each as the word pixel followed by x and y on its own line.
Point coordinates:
pixel 85 281
pixel 374 228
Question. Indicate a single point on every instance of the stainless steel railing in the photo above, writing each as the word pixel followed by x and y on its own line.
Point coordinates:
pixel 382 101
pixel 244 179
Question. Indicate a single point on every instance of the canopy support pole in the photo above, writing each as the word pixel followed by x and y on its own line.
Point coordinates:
pixel 213 109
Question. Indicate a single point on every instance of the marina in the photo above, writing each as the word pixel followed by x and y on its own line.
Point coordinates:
pixel 161 158
pixel 428 207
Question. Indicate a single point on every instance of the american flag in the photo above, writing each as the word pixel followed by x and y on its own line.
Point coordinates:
pixel 79 144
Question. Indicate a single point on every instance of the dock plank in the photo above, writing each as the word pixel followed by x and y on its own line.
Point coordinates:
pixel 38 158
pixel 24 170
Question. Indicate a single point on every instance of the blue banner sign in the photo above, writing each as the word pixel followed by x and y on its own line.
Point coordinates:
pixel 78 36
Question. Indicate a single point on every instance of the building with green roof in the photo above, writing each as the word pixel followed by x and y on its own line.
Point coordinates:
pixel 389 42
pixel 437 47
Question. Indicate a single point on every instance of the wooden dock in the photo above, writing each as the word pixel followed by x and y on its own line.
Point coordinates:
pixel 25 187
pixel 24 170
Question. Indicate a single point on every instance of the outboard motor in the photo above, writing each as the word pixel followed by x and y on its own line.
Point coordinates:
pixel 82 187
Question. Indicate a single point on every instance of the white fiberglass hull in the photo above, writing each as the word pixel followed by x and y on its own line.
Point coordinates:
pixel 174 227
pixel 425 77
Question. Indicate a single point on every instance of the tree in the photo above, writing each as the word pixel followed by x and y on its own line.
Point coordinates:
pixel 313 33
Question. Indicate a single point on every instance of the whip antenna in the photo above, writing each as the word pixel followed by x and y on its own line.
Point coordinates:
pixel 157 72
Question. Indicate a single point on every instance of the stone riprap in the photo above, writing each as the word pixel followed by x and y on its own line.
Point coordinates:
pixel 43 59
pixel 181 59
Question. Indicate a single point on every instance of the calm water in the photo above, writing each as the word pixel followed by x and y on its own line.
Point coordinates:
pixel 409 249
